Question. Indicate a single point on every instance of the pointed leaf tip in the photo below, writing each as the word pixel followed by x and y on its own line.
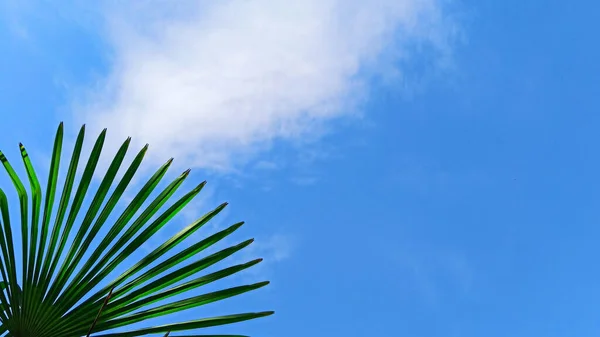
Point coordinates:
pixel 262 284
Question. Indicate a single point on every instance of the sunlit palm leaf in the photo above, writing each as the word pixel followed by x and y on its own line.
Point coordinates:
pixel 56 297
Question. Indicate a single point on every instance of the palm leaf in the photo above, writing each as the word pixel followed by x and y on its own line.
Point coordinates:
pixel 56 297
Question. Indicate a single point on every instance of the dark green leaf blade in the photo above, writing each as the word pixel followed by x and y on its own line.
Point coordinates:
pixel 196 324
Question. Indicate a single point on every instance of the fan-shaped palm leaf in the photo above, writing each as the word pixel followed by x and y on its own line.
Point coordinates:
pixel 53 300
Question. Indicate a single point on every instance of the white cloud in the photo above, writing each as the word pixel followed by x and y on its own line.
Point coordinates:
pixel 213 83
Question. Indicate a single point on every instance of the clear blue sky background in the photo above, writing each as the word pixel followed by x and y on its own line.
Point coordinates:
pixel 469 208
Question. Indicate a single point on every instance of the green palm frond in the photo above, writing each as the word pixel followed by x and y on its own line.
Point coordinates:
pixel 55 293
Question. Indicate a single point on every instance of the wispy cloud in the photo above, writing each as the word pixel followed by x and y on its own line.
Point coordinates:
pixel 274 249
pixel 432 269
pixel 214 83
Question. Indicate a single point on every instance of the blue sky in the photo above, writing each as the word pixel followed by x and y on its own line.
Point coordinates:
pixel 437 178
